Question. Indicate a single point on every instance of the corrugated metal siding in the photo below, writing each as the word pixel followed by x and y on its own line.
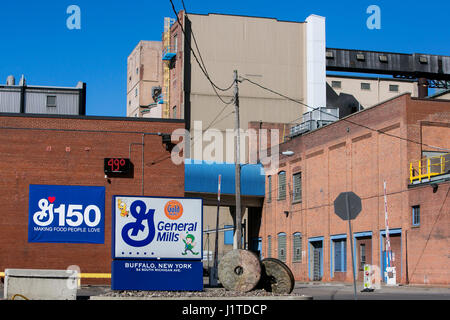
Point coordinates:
pixel 9 100
pixel 66 102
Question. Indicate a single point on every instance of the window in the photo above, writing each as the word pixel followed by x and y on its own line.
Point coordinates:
pixel 269 246
pixel 228 235
pixel 362 256
pixel 336 84
pixel 416 215
pixel 281 185
pixel 137 70
pixel 282 246
pixel 340 255
pixel 297 247
pixel 393 87
pixel 136 92
pixel 365 86
pixel 297 182
pixel 175 43
pixel 174 112
pixel 51 101
pixel 269 192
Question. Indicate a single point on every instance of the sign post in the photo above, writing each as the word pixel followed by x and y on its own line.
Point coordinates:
pixel 214 271
pixel 347 206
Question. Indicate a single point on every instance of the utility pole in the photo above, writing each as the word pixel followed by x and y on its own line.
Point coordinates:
pixel 238 223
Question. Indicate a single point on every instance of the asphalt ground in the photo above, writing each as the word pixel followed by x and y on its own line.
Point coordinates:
pixel 315 290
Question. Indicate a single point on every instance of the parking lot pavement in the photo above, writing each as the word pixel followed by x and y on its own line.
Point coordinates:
pixel 325 291
pixel 345 291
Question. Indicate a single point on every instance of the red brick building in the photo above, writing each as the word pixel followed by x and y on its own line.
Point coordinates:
pixel 358 153
pixel 70 150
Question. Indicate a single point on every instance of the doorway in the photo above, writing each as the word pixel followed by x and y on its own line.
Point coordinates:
pixel 315 251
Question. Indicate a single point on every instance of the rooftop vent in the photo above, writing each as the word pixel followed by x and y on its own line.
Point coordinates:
pixel 11 81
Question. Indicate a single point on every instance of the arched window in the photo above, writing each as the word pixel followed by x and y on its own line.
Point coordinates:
pixel 297 247
pixel 282 185
pixel 282 246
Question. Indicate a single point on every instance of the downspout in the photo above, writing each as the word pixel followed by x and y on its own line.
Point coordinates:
pixel 142 158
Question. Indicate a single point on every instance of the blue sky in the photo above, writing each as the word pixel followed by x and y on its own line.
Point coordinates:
pixel 35 41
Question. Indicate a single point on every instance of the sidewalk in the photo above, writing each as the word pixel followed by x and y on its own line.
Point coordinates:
pixel 345 291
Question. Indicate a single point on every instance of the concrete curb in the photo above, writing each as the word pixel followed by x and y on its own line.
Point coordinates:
pixel 302 297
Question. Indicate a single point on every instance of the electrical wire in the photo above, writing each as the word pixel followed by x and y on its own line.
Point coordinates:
pixel 202 68
pixel 429 235
pixel 201 59
pixel 343 119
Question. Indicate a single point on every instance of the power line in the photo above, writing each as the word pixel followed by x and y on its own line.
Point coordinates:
pixel 201 59
pixel 343 119
pixel 202 68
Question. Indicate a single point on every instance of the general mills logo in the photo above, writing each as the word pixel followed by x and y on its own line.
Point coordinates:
pixel 130 231
pixel 74 216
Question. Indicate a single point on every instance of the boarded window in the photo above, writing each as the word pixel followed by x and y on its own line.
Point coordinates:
pixel 282 246
pixel 297 181
pixel 282 185
pixel 340 255
pixel 269 246
pixel 297 247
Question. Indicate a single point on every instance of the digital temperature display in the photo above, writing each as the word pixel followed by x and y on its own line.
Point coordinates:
pixel 117 165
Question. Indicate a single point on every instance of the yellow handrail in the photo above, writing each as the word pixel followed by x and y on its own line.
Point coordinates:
pixel 425 167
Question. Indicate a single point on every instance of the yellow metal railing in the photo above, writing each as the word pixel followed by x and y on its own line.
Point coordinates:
pixel 429 167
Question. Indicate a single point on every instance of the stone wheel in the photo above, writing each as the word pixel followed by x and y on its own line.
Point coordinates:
pixel 239 270
pixel 276 276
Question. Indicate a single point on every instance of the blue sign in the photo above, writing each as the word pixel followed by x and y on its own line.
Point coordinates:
pixel 66 214
pixel 157 275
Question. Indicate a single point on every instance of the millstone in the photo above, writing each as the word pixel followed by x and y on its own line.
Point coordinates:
pixel 239 270
pixel 276 276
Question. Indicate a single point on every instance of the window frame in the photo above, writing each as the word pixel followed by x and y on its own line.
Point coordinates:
pixel 51 105
pixel 414 209
pixel 391 86
pixel 269 191
pixel 336 84
pixel 365 83
pixel 297 257
pixel 280 195
pixel 299 194
pixel 282 250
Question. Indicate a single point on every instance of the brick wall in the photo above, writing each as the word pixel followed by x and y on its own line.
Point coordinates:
pixel 345 156
pixel 70 151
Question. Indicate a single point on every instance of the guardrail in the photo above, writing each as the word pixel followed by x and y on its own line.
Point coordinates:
pixel 429 167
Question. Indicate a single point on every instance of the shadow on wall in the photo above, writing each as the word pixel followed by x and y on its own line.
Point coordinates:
pixel 346 103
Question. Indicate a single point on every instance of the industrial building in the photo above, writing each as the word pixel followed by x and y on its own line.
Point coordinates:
pixel 69 151
pixel 404 142
pixel 32 99
pixel 164 80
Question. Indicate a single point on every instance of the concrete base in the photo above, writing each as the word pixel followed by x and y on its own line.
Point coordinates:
pixel 41 284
